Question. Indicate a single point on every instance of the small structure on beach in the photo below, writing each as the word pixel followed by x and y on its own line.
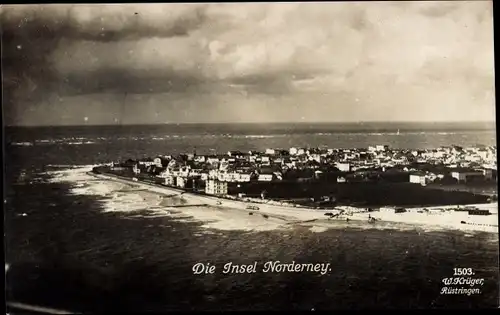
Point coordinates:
pixel 399 210
pixel 479 212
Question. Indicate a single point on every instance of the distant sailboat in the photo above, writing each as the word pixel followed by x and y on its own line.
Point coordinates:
pixel 398 132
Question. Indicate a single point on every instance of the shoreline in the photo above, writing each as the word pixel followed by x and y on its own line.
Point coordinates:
pixel 443 217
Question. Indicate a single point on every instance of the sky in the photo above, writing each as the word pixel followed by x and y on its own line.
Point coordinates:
pixel 253 62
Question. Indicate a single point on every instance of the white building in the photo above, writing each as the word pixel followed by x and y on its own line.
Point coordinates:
pixel 344 167
pixel 265 160
pixel 200 159
pixel 245 177
pixel 181 182
pixel 483 154
pixel 146 163
pixel 212 160
pixel 157 162
pixel 421 179
pixel 400 161
pixel 170 181
pixel 233 177
pixel 270 151
pixel 216 187
pixel 136 169
pixel 265 177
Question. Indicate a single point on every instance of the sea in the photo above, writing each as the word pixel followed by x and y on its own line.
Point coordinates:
pixel 64 251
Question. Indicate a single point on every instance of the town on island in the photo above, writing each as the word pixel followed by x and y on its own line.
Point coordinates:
pixel 336 183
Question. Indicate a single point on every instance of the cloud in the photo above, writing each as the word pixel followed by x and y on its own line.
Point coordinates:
pixel 366 54
pixel 109 22
pixel 120 81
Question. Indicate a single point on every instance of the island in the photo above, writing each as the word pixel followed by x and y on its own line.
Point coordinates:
pixel 451 184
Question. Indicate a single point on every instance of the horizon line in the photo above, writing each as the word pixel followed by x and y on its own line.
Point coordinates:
pixel 261 123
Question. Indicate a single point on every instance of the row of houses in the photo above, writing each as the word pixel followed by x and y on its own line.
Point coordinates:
pixel 461 175
pixel 344 159
pixel 240 167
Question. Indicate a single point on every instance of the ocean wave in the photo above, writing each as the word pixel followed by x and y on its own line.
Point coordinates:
pixel 79 143
pixel 72 166
pixel 292 133
pixel 54 141
pixel 24 144
pixel 69 173
pixel 404 133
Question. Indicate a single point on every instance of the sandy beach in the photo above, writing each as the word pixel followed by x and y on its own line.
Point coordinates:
pixel 224 214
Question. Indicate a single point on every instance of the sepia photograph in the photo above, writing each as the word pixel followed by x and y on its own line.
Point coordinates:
pixel 312 156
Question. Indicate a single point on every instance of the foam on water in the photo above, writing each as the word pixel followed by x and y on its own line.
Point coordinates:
pixel 95 189
pixel 75 174
pixel 24 144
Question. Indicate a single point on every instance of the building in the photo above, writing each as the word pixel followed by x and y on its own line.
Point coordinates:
pixel 181 182
pixel 245 177
pixel 265 177
pixel 137 168
pixel 380 147
pixel 212 160
pixel 419 178
pixel 117 167
pixel 146 162
pixel 161 162
pixel 479 212
pixel 344 167
pixel 200 159
pixel 462 176
pixel 488 173
pixel 216 187
pixel 233 177
pixel 170 181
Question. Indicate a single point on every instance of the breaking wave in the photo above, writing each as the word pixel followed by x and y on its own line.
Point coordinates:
pixel 93 140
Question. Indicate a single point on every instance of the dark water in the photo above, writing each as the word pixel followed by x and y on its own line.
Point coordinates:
pixel 111 142
pixel 67 253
